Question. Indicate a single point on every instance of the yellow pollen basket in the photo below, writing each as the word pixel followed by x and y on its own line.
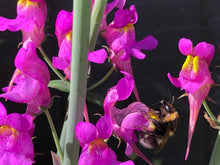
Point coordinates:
pixel 27 3
pixel 191 62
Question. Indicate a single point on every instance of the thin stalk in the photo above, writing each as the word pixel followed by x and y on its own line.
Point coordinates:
pixel 54 133
pixel 51 66
pixel 101 80
pixel 79 65
pixel 210 112
pixel 96 19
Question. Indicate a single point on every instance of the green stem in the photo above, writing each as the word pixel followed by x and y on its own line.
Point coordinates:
pixel 215 158
pixel 210 112
pixel 102 80
pixel 96 19
pixel 79 65
pixel 51 66
pixel 54 133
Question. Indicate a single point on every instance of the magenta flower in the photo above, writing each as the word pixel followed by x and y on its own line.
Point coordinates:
pixel 16 146
pixel 126 121
pixel 194 78
pixel 31 16
pixel 94 149
pixel 31 78
pixel 63 32
pixel 120 36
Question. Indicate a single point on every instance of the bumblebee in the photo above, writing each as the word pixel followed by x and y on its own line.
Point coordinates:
pixel 163 119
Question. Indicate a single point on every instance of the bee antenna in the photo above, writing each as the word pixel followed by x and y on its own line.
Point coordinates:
pixel 156 103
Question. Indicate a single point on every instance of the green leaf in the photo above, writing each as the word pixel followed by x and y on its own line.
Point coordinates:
pixel 58 84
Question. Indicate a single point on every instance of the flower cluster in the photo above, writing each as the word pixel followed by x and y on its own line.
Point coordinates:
pixel 134 123
pixel 28 83
pixel 120 36
pixel 63 32
pixel 31 76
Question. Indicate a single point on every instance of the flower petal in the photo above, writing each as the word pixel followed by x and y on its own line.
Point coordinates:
pixel 137 54
pixel 195 102
pixel 185 46
pixel 20 122
pixel 3 113
pixel 119 92
pixel 134 121
pixel 148 43
pixel 174 81
pixel 204 50
pixel 104 127
pixel 85 132
pixel 134 14
pixel 98 56
pixel 122 18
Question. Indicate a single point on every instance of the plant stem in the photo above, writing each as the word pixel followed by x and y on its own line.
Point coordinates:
pixel 210 112
pixel 79 65
pixel 96 19
pixel 51 66
pixel 102 80
pixel 54 133
pixel 215 158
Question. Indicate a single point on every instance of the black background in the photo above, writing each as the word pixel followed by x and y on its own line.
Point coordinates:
pixel 168 21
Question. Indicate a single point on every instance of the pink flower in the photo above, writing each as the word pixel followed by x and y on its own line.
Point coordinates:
pixel 194 78
pixel 31 78
pixel 126 121
pixel 121 91
pixel 63 32
pixel 16 132
pixel 94 149
pixel 31 16
pixel 120 36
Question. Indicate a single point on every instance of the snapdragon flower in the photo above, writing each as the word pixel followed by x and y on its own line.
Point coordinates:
pixel 126 121
pixel 194 78
pixel 120 36
pixel 63 32
pixel 16 146
pixel 94 149
pixel 31 16
pixel 31 78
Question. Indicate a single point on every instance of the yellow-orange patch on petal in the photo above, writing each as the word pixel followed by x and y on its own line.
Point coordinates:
pixel 69 36
pixel 187 62
pixel 7 130
pixel 97 145
pixel 195 64
pixel 27 3
pixel 191 63
pixel 128 28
